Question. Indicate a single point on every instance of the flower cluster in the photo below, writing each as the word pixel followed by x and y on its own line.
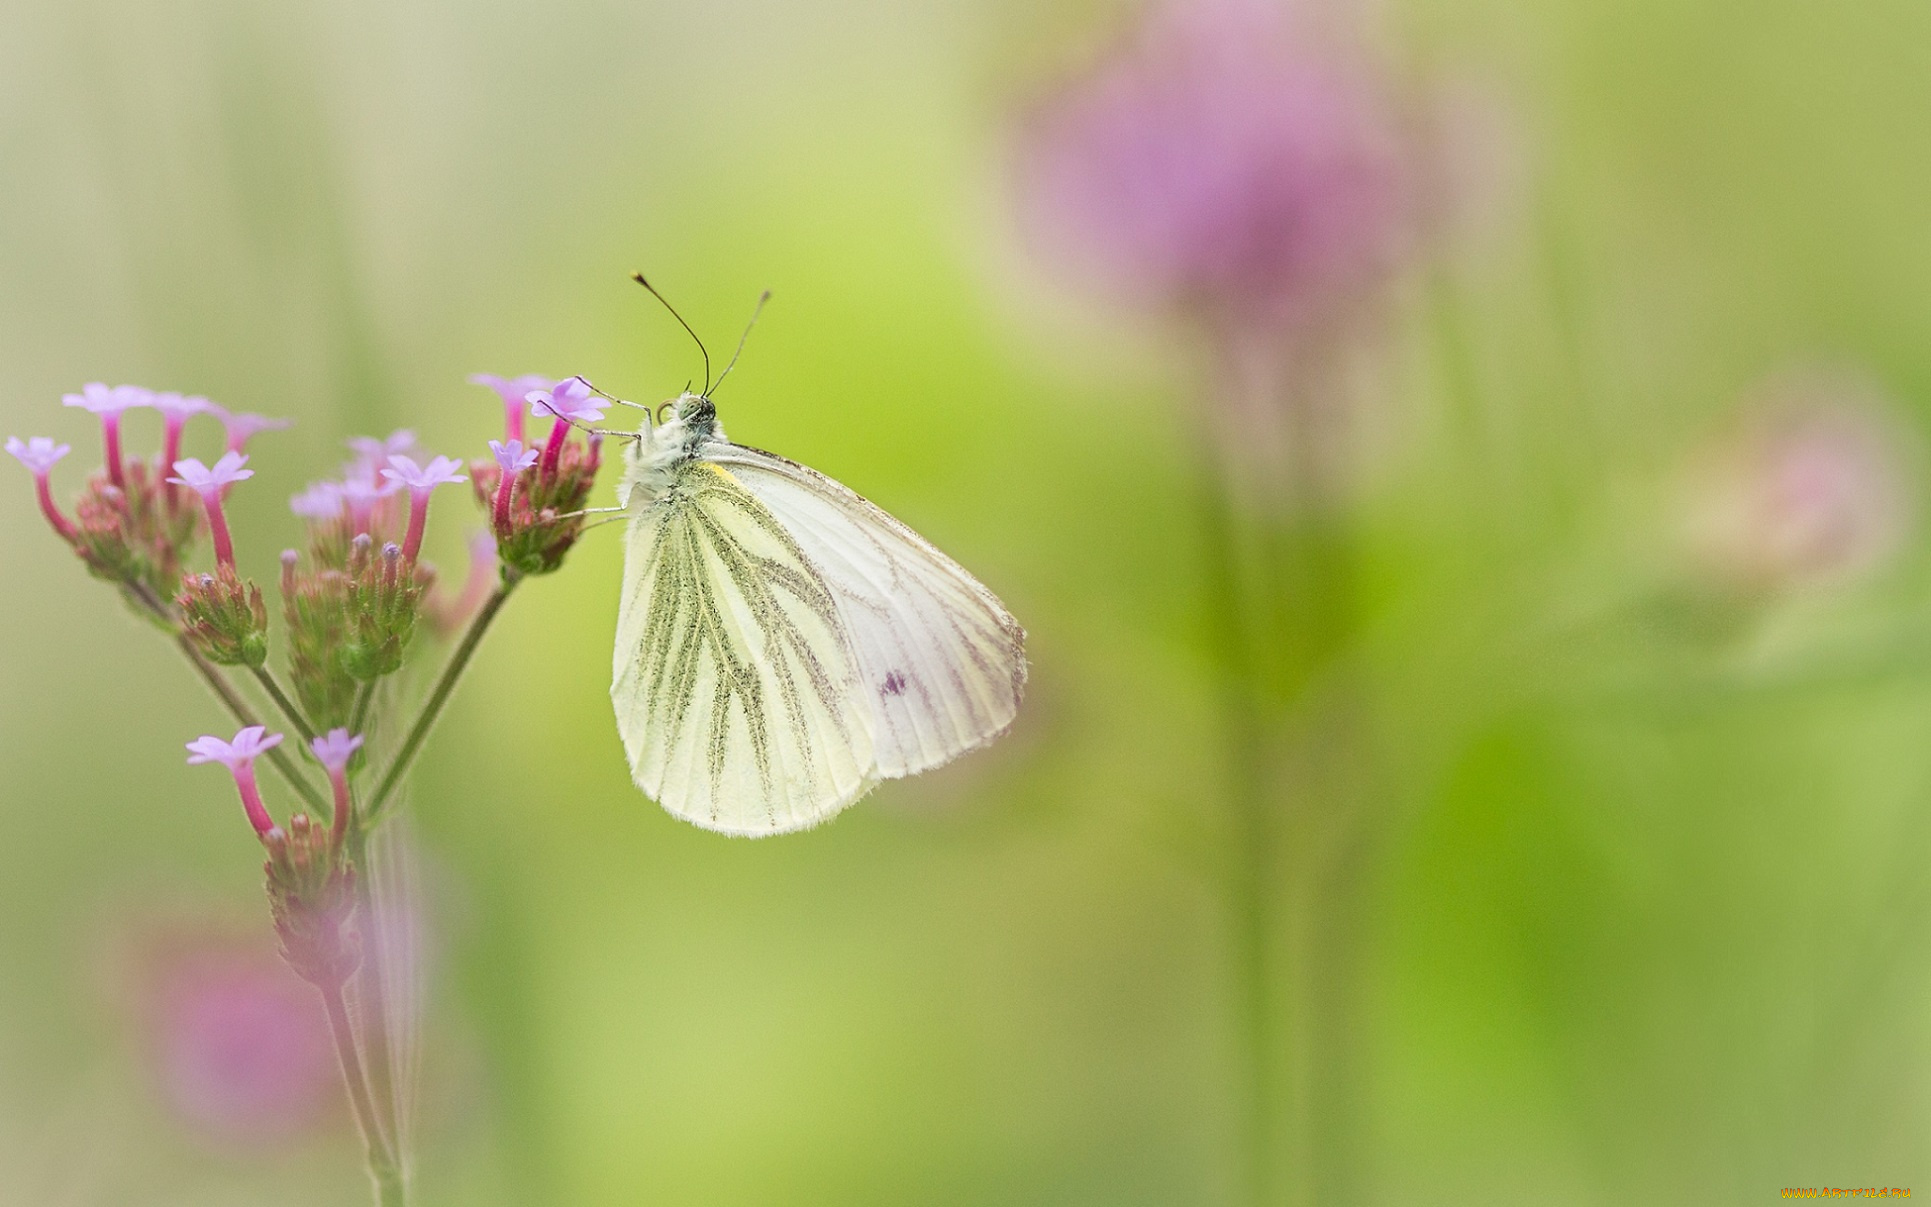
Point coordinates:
pixel 535 497
pixel 352 603
pixel 311 887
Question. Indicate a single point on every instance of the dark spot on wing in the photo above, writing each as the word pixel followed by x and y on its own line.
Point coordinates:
pixel 894 685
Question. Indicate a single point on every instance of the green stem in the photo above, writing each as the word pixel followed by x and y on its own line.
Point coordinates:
pixel 1252 906
pixel 438 698
pixel 371 984
pixel 225 692
pixel 296 720
pixel 383 1170
pixel 363 697
pixel 277 757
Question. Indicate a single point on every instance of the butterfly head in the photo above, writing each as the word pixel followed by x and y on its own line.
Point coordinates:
pixel 696 411
pixel 689 423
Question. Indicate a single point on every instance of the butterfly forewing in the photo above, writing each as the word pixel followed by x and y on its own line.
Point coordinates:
pixel 734 681
pixel 940 663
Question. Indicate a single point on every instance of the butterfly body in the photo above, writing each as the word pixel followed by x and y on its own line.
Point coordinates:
pixel 783 645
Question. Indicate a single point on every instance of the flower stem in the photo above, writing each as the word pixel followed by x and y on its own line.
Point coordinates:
pixel 363 698
pixel 1252 905
pixel 223 691
pixel 266 678
pixel 383 1170
pixel 241 712
pixel 371 983
pixel 438 698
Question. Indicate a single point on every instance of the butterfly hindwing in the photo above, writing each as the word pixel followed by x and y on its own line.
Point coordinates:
pixel 940 663
pixel 734 681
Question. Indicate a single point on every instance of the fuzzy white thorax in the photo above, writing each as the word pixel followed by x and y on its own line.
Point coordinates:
pixel 662 447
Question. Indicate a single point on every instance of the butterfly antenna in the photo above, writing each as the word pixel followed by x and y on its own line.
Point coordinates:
pixel 755 312
pixel 639 278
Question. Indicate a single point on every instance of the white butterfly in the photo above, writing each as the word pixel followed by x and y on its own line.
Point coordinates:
pixel 783 644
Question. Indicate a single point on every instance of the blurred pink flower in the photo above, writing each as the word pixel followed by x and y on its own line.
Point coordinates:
pixel 372 454
pixel 1811 485
pixel 322 501
pixel 176 409
pixel 241 1045
pixel 1219 163
pixel 243 427
pixel 514 391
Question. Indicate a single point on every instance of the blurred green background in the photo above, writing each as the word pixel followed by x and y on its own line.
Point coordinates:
pixel 1649 918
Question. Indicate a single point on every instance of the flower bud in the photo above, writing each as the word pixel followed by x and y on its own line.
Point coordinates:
pixel 311 894
pixel 315 609
pixel 224 617
pixel 382 602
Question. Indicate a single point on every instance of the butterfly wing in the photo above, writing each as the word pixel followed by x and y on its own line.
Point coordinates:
pixel 940 662
pixel 733 680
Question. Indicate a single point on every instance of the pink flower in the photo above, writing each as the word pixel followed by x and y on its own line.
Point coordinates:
pixel 571 398
pixel 420 480
pixel 241 1045
pixel 1218 161
pixel 449 614
pixel 514 391
pixel 175 405
pixel 441 471
pixel 176 409
pixel 39 454
pixel 571 401
pixel 321 502
pixel 244 427
pixel 239 757
pixel 110 403
pixel 102 399
pixel 209 483
pixel 361 493
pixel 513 458
pixel 333 750
pixel 372 454
pixel 1810 486
pixel 226 471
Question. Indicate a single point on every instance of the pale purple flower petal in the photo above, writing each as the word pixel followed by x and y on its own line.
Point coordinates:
pixel 38 453
pixel 321 501
pixel 514 390
pixel 375 453
pixel 422 478
pixel 571 399
pixel 178 407
pixel 512 456
pixel 335 748
pixel 103 399
pixel 241 428
pixel 225 472
pixel 248 745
